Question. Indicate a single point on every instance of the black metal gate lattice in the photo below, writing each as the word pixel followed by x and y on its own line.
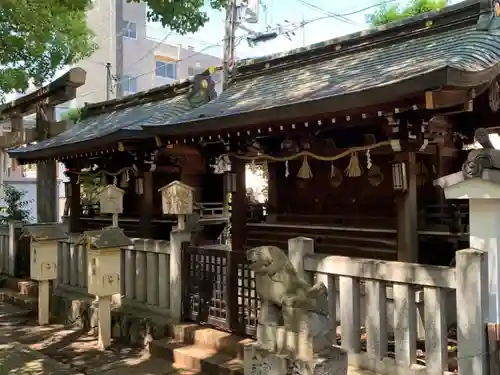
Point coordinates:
pixel 219 290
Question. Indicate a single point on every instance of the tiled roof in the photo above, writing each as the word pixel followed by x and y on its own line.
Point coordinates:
pixel 119 119
pixel 464 50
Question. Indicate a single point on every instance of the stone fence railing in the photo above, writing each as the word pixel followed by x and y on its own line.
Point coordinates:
pixel 149 280
pixel 396 353
pixel 7 250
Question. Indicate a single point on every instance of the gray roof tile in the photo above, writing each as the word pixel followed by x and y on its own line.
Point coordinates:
pixel 128 115
pixel 465 49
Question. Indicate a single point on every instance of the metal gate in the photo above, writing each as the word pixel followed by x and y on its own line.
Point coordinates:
pixel 219 289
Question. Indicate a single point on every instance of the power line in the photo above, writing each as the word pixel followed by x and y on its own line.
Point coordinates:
pixel 327 12
pixel 150 51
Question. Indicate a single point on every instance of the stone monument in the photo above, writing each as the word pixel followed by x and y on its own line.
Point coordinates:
pixel 294 332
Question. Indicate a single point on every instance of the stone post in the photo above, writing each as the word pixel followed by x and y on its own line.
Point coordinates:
pixel 483 194
pixel 177 238
pixel 12 249
pixel 298 248
pixel 472 269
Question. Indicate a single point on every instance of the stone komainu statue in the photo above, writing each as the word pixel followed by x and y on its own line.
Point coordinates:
pixel 286 299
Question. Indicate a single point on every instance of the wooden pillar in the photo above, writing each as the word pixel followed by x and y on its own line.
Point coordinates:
pixel 146 223
pixel 407 212
pixel 74 209
pixel 272 192
pixel 46 176
pixel 238 206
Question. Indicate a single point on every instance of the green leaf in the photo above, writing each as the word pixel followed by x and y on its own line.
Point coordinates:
pixel 38 38
pixel 386 13
pixel 181 16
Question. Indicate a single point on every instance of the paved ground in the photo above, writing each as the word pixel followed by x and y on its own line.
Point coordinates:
pixel 28 349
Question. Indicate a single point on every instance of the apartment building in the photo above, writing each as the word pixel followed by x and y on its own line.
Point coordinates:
pixel 120 30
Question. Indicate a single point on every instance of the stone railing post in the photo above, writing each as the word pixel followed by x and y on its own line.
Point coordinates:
pixel 177 238
pixel 12 249
pixel 298 248
pixel 472 310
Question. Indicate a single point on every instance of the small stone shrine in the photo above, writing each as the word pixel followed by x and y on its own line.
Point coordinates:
pixel 295 334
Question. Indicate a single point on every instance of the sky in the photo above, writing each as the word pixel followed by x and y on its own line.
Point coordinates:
pixel 278 12
pixel 319 26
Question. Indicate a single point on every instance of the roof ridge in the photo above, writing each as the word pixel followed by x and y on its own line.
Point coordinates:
pixel 284 64
pixel 167 91
pixel 450 14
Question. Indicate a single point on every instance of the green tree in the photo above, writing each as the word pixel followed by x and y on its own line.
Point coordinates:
pixel 388 13
pixel 38 38
pixel 16 206
pixel 181 16
pixel 72 114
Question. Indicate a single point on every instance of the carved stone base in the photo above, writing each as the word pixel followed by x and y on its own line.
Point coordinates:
pixel 257 361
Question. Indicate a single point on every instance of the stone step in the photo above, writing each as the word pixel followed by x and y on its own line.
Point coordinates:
pixel 225 342
pixel 25 287
pixel 195 357
pixel 15 298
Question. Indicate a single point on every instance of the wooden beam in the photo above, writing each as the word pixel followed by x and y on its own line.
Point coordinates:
pixel 441 98
pixel 15 139
pixel 59 127
pixel 74 209
pixel 46 177
pixel 146 218
pixel 59 91
pixel 407 214
pixel 239 206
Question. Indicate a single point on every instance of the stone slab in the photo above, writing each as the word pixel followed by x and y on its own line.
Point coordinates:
pixel 18 359
pixel 329 362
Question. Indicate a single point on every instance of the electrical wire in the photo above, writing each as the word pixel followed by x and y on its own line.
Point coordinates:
pixel 151 50
pixel 337 16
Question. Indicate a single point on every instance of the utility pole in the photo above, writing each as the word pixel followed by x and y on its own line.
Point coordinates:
pixel 303 27
pixel 229 40
pixel 109 80
pixel 119 47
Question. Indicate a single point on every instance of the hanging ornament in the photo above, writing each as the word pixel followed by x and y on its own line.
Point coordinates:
pixel 305 171
pixel 335 176
pixel 115 180
pixel 78 180
pixel 287 172
pixel 375 176
pixel 265 169
pixel 124 180
pixel 354 168
pixel 368 160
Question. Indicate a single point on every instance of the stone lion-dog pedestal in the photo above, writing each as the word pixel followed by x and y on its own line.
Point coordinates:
pixel 294 334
